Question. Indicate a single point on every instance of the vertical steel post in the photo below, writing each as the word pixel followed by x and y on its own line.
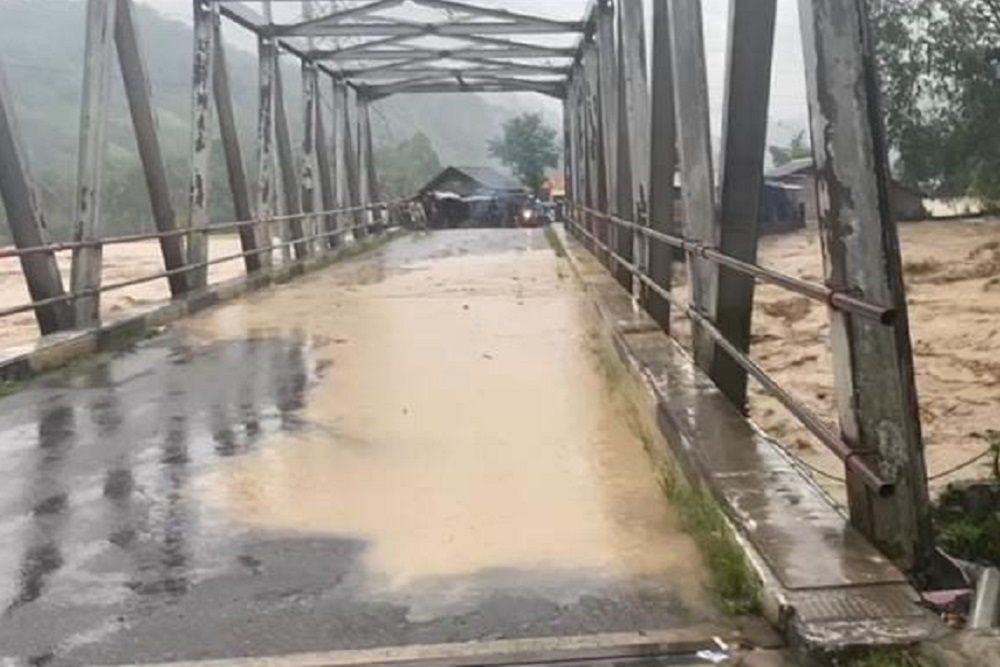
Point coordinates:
pixel 286 167
pixel 307 155
pixel 873 363
pixel 238 187
pixel 98 55
pixel 139 92
pixel 592 138
pixel 364 187
pixel 206 16
pixel 351 159
pixel 341 194
pixel 636 98
pixel 579 142
pixel 663 163
pixel 266 190
pixel 695 148
pixel 608 91
pixel 373 190
pixel 206 20
pixel 27 224
pixel 325 171
pixel 623 182
pixel 744 136
pixel 567 132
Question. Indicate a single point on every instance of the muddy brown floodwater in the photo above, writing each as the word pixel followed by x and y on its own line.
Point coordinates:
pixel 461 424
pixel 952 272
pixel 122 262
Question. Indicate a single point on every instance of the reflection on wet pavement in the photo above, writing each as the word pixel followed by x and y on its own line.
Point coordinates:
pixel 414 447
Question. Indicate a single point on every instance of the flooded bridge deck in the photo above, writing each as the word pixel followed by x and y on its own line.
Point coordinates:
pixel 414 447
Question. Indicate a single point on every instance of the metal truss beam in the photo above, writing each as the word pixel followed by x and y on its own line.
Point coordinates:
pixel 508 70
pixel 420 30
pixel 502 14
pixel 551 88
pixel 353 12
pixel 527 52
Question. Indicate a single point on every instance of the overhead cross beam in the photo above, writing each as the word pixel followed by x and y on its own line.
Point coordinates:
pixel 464 53
pixel 390 29
pixel 389 48
pixel 512 70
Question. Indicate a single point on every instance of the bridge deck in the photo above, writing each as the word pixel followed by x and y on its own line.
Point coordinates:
pixel 412 448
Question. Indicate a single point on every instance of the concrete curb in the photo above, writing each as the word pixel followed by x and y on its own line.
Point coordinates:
pixel 823 585
pixel 56 350
pixel 586 649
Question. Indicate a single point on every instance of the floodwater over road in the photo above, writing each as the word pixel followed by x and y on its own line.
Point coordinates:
pixel 413 447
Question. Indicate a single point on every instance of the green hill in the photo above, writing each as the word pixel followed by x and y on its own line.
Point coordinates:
pixel 41 44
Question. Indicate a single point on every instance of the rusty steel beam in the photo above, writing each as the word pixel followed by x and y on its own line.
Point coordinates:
pixel 205 21
pixel 308 185
pixel 286 169
pixel 27 224
pixel 266 189
pixel 697 176
pixel 872 362
pixel 87 261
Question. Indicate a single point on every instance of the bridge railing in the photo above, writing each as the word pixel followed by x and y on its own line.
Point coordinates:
pixel 327 181
pixel 637 126
pixel 870 475
pixel 324 241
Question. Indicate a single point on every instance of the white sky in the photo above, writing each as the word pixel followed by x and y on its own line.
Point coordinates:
pixel 788 101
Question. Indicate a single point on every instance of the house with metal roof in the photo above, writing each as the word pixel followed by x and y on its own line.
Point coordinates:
pixel 473 181
pixel 907 202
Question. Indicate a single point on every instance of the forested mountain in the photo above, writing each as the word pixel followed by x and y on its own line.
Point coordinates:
pixel 41 45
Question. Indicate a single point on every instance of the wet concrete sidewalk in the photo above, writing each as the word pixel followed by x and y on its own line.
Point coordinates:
pixel 411 448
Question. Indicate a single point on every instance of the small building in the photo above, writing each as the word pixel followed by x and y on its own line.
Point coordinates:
pixel 471 196
pixel 906 202
pixel 781 208
pixel 801 174
pixel 473 181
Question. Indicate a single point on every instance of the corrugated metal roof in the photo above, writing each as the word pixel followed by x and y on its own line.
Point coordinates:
pixel 791 168
pixel 488 178
pixel 491 178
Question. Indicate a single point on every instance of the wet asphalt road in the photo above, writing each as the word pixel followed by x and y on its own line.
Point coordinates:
pixel 110 552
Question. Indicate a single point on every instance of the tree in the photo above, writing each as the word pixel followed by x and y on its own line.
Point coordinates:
pixel 527 146
pixel 795 150
pixel 403 168
pixel 940 75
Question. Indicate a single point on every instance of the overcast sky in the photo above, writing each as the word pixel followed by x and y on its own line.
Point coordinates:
pixel 787 88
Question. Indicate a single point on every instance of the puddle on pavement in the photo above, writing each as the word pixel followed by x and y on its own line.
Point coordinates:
pixel 460 426
pixel 97 459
